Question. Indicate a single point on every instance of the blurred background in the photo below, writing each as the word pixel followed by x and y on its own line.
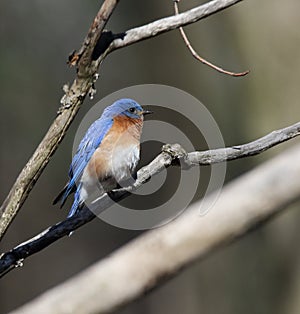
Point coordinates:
pixel 258 274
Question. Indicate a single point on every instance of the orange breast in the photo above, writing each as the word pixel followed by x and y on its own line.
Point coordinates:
pixel 123 137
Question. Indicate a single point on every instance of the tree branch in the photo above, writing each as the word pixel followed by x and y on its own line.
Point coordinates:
pixel 161 253
pixel 71 102
pixel 170 154
pixel 172 22
pixel 83 85
pixel 250 149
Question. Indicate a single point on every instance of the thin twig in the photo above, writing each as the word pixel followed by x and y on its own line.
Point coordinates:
pixel 170 153
pixel 196 55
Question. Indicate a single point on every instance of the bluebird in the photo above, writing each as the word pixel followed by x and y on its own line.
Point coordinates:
pixel 107 154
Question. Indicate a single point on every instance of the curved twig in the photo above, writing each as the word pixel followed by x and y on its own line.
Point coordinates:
pixel 199 58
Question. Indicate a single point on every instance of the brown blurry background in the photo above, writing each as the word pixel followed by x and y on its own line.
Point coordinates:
pixel 258 274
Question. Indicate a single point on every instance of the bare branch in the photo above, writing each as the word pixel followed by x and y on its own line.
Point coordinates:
pixel 172 22
pixel 169 155
pixel 196 55
pixel 71 102
pixel 159 254
pixel 250 149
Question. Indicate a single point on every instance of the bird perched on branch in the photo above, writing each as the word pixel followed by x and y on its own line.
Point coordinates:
pixel 107 154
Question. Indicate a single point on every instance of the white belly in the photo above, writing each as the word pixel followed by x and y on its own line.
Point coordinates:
pixel 120 165
pixel 124 161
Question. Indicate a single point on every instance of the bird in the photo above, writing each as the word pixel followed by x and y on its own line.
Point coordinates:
pixel 107 154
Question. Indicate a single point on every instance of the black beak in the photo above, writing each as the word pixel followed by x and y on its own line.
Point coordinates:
pixel 145 112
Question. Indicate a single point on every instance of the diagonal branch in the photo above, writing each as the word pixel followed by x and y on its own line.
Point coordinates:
pixel 83 85
pixel 71 101
pixel 157 255
pixel 169 155
pixel 172 22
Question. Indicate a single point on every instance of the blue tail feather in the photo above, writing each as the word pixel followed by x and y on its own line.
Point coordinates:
pixel 77 202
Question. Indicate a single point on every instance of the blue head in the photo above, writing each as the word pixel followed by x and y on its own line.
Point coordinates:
pixel 127 107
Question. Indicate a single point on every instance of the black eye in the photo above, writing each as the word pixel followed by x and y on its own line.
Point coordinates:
pixel 132 110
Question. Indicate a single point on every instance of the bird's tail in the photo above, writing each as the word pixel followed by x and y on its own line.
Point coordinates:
pixel 60 195
pixel 72 212
pixel 74 208
pixel 63 195
pixel 77 204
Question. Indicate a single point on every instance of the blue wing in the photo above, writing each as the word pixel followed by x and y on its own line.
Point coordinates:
pixel 86 148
